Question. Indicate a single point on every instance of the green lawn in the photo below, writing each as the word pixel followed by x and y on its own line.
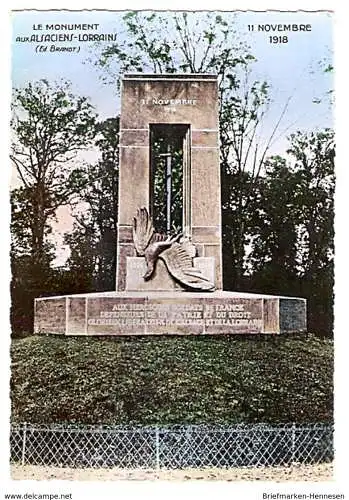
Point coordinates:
pixel 163 380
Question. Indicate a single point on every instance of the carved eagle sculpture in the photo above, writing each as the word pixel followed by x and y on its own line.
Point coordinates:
pixel 178 262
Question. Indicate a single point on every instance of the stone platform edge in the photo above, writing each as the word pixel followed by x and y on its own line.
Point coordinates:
pixel 161 313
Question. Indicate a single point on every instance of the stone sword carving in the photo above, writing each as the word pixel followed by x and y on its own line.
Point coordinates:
pixel 154 246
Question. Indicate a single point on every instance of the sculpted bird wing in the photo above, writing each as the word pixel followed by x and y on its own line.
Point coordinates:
pixel 143 230
pixel 179 265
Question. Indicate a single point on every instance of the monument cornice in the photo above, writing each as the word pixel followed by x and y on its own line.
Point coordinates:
pixel 171 76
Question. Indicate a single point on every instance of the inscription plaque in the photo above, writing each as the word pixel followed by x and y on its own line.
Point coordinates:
pixel 160 316
pixel 137 313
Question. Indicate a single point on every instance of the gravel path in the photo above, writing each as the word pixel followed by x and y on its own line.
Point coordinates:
pixel 320 472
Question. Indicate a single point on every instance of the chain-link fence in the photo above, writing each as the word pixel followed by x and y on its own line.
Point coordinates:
pixel 171 447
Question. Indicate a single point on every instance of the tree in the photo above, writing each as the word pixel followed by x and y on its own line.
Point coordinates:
pixel 273 259
pixel 92 261
pixel 50 127
pixel 292 246
pixel 313 156
pixel 172 42
pixel 313 161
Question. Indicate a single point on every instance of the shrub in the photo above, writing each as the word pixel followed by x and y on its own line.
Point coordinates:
pixel 167 380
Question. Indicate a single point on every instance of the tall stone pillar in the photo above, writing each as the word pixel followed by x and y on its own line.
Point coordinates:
pixel 190 100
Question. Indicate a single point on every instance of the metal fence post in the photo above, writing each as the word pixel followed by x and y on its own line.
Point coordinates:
pixel 157 444
pixel 24 440
pixel 293 453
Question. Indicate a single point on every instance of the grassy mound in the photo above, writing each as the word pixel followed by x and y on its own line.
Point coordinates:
pixel 172 380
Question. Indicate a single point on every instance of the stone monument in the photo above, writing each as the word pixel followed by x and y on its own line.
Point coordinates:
pixel 169 249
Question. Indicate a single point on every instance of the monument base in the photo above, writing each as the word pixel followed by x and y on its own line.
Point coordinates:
pixel 169 313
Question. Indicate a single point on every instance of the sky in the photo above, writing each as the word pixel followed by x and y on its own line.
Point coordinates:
pixel 287 67
pixel 292 70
